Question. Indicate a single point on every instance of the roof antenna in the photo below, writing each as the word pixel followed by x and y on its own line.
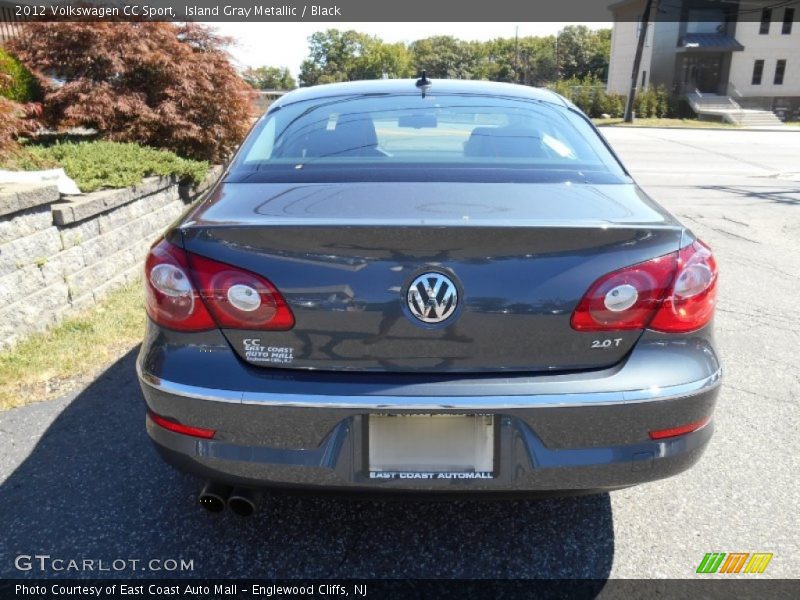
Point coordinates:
pixel 423 83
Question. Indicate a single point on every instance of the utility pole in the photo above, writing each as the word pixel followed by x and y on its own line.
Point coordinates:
pixel 516 55
pixel 637 61
pixel 558 65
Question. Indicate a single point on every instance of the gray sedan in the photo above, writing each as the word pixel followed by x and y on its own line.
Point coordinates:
pixel 427 286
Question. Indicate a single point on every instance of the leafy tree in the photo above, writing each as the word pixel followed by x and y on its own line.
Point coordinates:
pixel 346 55
pixel 446 57
pixel 269 78
pixel 380 58
pixel 583 52
pixel 528 60
pixel 159 84
pixel 336 55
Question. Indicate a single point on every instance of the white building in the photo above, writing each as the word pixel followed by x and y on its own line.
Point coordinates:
pixel 713 54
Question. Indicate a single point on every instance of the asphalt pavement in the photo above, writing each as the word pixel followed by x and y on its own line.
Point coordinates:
pixel 80 481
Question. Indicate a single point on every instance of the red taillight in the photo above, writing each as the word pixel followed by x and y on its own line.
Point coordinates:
pixel 171 425
pixel 187 292
pixel 661 434
pixel 171 299
pixel 240 299
pixel 625 299
pixel 674 293
pixel 691 303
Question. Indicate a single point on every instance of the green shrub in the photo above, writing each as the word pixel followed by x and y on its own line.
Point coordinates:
pixel 20 85
pixel 617 106
pixel 590 96
pixel 654 102
pixel 97 165
pixel 643 104
pixel 663 105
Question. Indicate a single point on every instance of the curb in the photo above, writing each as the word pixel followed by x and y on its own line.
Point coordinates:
pixel 787 128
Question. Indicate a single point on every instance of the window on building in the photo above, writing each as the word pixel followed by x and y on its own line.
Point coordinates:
pixel 706 21
pixel 766 17
pixel 758 71
pixel 788 17
pixel 780 69
pixel 644 79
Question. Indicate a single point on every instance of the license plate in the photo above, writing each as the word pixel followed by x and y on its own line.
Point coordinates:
pixel 431 446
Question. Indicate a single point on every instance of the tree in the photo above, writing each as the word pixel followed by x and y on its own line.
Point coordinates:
pixel 577 52
pixel 349 55
pixel 158 84
pixel 528 60
pixel 446 57
pixel 380 58
pixel 583 52
pixel 269 78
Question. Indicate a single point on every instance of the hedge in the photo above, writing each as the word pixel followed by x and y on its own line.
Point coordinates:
pixel 102 164
pixel 591 97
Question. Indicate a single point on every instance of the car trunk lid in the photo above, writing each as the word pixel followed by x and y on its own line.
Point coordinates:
pixel 521 256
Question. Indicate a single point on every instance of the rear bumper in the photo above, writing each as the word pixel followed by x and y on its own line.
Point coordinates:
pixel 294 430
pixel 339 463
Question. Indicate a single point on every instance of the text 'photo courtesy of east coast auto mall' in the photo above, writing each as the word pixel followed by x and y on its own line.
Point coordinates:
pixel 365 299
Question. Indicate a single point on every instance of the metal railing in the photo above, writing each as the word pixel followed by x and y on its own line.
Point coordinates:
pixel 724 107
pixel 9 24
pixel 698 100
pixel 732 91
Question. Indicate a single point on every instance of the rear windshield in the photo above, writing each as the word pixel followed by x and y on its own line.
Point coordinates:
pixel 410 138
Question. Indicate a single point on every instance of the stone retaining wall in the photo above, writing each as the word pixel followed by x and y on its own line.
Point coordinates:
pixel 59 256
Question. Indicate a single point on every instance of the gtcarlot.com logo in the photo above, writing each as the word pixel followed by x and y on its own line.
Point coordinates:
pixel 47 563
pixel 734 562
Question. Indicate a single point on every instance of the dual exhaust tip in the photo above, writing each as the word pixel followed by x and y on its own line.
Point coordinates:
pixel 214 497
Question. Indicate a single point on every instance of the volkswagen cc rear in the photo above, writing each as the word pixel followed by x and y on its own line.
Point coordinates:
pixel 442 287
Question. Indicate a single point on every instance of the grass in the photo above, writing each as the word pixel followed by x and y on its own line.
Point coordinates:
pixel 793 123
pixel 655 122
pixel 100 164
pixel 50 364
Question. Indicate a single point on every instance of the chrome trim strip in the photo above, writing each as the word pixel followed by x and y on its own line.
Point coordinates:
pixel 434 402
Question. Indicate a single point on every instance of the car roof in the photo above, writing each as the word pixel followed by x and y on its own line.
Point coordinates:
pixel 408 86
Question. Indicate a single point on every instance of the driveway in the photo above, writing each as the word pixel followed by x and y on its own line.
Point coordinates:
pixel 78 478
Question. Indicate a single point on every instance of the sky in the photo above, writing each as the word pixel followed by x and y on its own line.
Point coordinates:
pixel 286 44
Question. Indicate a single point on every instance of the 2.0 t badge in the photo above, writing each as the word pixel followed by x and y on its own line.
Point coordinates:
pixel 432 297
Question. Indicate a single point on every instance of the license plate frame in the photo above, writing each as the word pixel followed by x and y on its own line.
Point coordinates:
pixel 431 446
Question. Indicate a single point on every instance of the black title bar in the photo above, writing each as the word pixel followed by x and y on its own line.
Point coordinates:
pixel 333 11
pixel 440 589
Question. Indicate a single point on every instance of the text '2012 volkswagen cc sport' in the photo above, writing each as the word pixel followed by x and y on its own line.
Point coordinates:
pixel 437 286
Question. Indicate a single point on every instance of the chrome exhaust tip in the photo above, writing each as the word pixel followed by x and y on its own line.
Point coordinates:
pixel 214 496
pixel 244 502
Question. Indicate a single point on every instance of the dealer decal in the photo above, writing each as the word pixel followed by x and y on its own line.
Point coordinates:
pixel 254 351
pixel 416 475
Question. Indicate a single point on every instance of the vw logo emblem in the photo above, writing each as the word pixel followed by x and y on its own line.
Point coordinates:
pixel 432 297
